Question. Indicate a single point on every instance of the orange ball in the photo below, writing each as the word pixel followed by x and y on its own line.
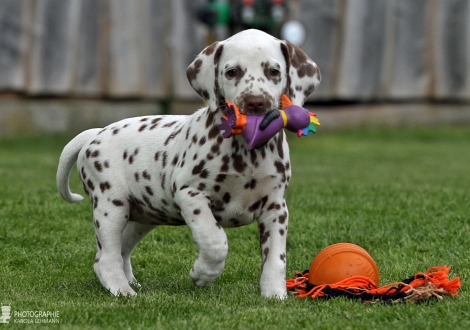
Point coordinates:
pixel 340 261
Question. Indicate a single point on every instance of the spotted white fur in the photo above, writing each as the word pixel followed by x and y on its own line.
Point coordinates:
pixel 140 173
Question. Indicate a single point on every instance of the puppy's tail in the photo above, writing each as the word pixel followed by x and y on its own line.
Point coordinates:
pixel 67 160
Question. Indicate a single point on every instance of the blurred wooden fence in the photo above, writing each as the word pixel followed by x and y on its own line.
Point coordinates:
pixel 366 49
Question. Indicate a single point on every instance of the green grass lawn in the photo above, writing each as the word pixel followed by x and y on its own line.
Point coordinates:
pixel 401 194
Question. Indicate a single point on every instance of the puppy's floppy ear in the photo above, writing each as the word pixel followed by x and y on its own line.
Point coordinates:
pixel 303 75
pixel 202 74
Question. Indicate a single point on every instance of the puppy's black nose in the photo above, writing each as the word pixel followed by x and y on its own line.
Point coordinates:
pixel 254 104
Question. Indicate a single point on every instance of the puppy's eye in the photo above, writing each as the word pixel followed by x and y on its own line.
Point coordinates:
pixel 232 73
pixel 274 72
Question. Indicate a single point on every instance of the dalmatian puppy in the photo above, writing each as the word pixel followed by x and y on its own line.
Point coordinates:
pixel 141 173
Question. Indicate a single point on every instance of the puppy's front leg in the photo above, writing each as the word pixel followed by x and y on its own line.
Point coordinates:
pixel 272 229
pixel 207 233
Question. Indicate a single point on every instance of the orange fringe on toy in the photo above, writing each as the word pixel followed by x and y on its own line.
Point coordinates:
pixel 422 286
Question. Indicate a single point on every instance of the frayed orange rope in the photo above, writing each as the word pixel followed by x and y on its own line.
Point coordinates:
pixel 434 282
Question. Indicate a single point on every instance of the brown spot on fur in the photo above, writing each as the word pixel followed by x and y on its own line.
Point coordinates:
pixel 226 198
pixel 265 257
pixel 253 157
pixel 163 177
pixel 210 118
pixel 238 163
pixel 170 124
pixel 253 207
pixel 280 140
pixel 204 94
pixel 202 141
pixel 98 166
pixel 201 186
pixel 218 53
pixel 283 217
pixel 225 163
pixel 215 149
pixel 253 184
pixel 204 174
pixel 105 186
pixel 263 234
pixel 164 159
pixel 145 175
pixel 210 49
pixel 213 132
pixel 193 71
pixel 149 190
pixel 274 205
pixel 280 167
pixel 90 185
pixel 172 136
pixel 198 168
pixel 117 202
pixel 221 177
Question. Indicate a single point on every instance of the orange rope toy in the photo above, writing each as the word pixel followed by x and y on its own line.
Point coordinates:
pixel 347 270
pixel 420 287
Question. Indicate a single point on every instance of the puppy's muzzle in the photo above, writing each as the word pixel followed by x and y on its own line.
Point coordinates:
pixel 256 105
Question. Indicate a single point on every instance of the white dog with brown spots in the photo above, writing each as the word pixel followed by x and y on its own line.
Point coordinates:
pixel 141 173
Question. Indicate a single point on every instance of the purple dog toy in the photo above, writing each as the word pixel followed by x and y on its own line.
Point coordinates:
pixel 257 130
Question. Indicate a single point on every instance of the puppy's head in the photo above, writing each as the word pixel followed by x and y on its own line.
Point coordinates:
pixel 253 69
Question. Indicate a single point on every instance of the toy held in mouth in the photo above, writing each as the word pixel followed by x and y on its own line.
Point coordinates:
pixel 259 129
pixel 347 270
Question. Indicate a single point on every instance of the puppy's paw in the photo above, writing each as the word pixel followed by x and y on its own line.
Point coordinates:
pixel 123 291
pixel 275 294
pixel 204 275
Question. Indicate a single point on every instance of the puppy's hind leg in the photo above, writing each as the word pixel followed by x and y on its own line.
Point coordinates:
pixel 133 233
pixel 110 220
